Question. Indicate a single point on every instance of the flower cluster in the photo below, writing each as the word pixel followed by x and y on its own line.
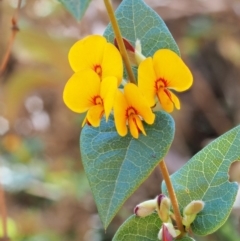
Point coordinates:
pixel 162 205
pixel 94 87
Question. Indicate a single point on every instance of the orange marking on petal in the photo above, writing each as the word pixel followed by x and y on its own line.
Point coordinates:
pixel 97 100
pixel 131 111
pixel 160 83
pixel 98 69
pixel 163 84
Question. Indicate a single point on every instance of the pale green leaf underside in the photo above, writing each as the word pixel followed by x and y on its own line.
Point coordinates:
pixel 76 7
pixel 116 166
pixel 139 21
pixel 141 229
pixel 205 177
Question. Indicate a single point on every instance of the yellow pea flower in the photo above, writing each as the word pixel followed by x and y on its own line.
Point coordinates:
pixel 131 108
pixel 159 74
pixel 95 53
pixel 85 91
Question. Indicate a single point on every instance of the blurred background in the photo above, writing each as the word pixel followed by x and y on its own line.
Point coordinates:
pixel 47 193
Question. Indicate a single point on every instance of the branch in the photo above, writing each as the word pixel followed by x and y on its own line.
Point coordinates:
pixel 15 29
pixel 172 196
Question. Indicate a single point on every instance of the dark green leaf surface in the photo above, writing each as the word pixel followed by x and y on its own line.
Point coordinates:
pixel 116 166
pixel 139 21
pixel 76 7
pixel 141 229
pixel 205 177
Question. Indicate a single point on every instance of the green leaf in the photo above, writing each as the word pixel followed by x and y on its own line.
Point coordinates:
pixel 116 166
pixel 141 229
pixel 138 21
pixel 76 7
pixel 205 177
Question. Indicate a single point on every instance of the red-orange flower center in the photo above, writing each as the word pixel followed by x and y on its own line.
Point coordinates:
pixel 98 70
pixel 97 100
pixel 162 84
pixel 130 111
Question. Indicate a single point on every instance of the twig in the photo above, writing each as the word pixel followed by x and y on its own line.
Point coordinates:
pixel 172 196
pixel 15 29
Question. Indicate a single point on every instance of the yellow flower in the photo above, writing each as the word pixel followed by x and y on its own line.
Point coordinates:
pixel 131 108
pixel 157 75
pixel 85 91
pixel 94 52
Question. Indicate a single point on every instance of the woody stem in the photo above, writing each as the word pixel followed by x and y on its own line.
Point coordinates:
pixel 119 39
pixel 172 196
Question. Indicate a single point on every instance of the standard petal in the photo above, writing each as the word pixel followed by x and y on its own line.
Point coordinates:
pixel 165 100
pixel 120 108
pixel 138 102
pixel 80 89
pixel 87 53
pixel 133 126
pixel 95 114
pixel 170 67
pixel 112 64
pixel 146 80
pixel 108 93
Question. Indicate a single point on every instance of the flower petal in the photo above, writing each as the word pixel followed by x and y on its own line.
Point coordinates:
pixel 138 102
pixel 87 53
pixel 146 80
pixel 80 90
pixel 94 115
pixel 140 125
pixel 133 126
pixel 120 108
pixel 165 100
pixel 108 93
pixel 175 100
pixel 112 64
pixel 169 66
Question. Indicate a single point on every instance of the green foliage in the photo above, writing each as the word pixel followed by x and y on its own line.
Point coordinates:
pixel 141 229
pixel 116 166
pixel 205 177
pixel 138 21
pixel 76 7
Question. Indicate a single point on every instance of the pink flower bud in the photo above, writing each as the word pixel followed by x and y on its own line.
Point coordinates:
pixel 145 208
pixel 168 232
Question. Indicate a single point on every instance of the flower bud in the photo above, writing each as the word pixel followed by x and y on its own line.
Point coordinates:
pixel 190 212
pixel 168 232
pixel 163 207
pixel 134 54
pixel 138 52
pixel 193 207
pixel 145 208
pixel 130 50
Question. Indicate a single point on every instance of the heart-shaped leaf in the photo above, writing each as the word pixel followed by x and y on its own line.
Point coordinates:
pixel 76 7
pixel 141 229
pixel 205 177
pixel 138 21
pixel 116 166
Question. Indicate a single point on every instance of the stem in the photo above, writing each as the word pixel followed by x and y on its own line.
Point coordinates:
pixel 172 196
pixel 3 212
pixel 15 29
pixel 119 39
